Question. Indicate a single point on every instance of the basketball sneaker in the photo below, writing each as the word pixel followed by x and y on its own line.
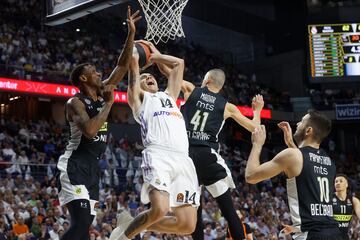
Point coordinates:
pixel 123 220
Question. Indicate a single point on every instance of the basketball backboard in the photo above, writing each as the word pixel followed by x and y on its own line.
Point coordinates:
pixel 62 11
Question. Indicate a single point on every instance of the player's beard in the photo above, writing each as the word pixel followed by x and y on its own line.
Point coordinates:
pixel 299 136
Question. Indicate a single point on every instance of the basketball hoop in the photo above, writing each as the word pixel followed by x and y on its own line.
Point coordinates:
pixel 163 19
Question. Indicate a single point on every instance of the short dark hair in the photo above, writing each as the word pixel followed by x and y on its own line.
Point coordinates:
pixel 320 123
pixel 349 189
pixel 342 175
pixel 76 73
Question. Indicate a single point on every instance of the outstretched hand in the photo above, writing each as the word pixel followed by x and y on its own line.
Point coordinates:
pixel 287 229
pixel 257 102
pixel 108 93
pixel 132 19
pixel 288 136
pixel 258 137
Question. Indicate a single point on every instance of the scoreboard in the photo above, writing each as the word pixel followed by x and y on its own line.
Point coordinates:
pixel 334 52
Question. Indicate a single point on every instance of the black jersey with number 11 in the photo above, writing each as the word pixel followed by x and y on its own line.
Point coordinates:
pixel 204 117
pixel 343 211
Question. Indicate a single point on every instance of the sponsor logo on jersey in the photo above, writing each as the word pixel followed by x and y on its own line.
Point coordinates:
pixel 324 160
pixel 87 101
pixel 207 106
pixel 203 136
pixel 168 113
pixel 104 127
pixel 344 225
pixel 100 138
pixel 157 181
pixel 208 98
pixel 342 218
pixel 180 197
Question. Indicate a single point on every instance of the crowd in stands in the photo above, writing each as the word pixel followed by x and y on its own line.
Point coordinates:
pixel 29 208
pixel 326 99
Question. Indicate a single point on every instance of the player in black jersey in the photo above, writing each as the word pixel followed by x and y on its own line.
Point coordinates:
pixel 86 113
pixel 205 112
pixel 310 173
pixel 344 204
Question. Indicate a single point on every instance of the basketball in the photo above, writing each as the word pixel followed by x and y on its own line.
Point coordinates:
pixel 144 53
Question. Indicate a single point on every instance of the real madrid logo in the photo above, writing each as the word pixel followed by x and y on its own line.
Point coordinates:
pixel 78 190
pixel 180 197
pixel 334 200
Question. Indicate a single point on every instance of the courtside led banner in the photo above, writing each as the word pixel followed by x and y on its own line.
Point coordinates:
pixel 347 111
pixel 58 90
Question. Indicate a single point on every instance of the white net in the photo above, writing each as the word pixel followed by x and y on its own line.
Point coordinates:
pixel 163 19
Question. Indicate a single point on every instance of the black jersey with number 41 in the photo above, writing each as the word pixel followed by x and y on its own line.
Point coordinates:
pixel 204 117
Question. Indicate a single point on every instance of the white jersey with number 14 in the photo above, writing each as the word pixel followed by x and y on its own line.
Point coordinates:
pixel 162 124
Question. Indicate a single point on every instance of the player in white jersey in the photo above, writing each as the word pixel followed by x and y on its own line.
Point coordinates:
pixel 170 181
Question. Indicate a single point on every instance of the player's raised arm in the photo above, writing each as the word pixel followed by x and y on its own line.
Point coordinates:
pixel 125 57
pixel 285 161
pixel 187 88
pixel 135 93
pixel 176 74
pixel 288 138
pixel 76 113
pixel 233 112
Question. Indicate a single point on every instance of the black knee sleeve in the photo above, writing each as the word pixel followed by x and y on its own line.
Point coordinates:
pixel 227 209
pixel 81 220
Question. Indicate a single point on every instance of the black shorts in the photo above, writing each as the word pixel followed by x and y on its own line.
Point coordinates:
pixel 211 170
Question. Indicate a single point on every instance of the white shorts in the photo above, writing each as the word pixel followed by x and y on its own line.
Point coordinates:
pixel 172 172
